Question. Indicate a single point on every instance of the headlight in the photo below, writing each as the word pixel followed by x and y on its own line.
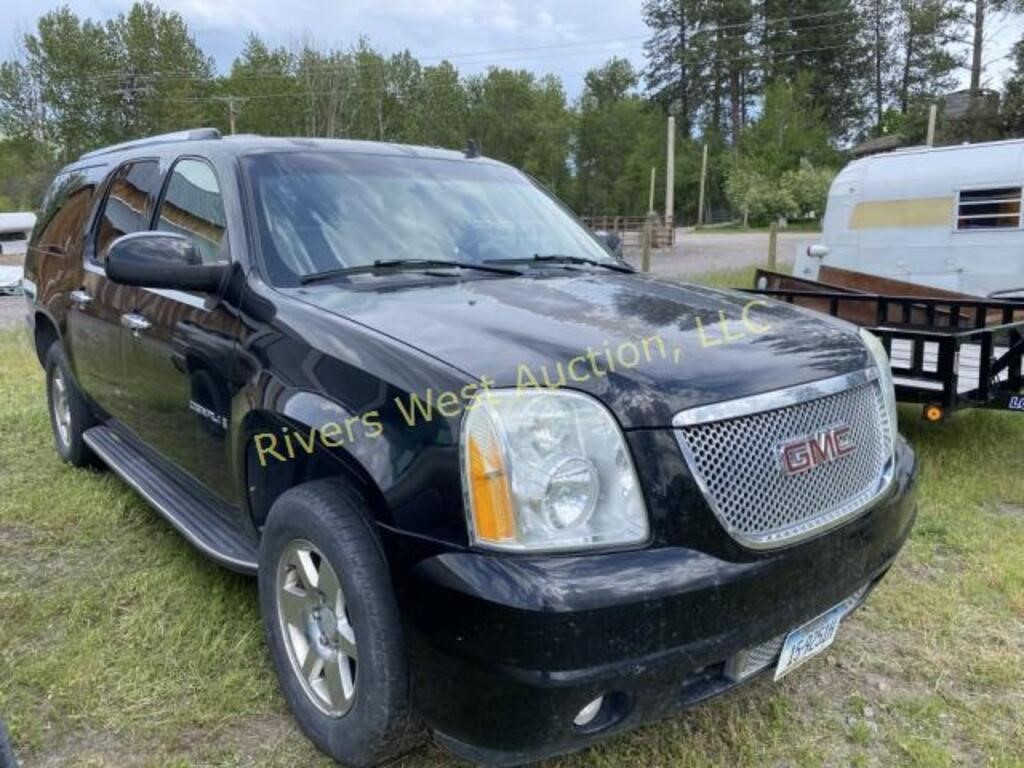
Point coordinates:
pixel 548 471
pixel 884 377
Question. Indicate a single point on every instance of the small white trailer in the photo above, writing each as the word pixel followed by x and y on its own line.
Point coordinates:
pixel 15 230
pixel 948 218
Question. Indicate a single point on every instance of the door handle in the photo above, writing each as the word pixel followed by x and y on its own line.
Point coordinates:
pixel 135 323
pixel 80 298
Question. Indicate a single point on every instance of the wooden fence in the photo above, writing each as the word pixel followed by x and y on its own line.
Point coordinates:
pixel 631 228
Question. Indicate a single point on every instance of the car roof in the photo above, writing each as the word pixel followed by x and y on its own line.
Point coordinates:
pixel 207 142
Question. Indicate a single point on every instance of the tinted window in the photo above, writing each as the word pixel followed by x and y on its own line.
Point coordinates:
pixel 193 207
pixel 126 209
pixel 64 212
pixel 324 211
pixel 997 208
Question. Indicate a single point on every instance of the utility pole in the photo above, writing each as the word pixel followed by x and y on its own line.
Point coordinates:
pixel 131 87
pixel 650 204
pixel 646 238
pixel 670 174
pixel 233 110
pixel 933 113
pixel 703 183
pixel 979 39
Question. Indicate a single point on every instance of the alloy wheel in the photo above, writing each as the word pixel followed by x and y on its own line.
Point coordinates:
pixel 317 628
pixel 61 407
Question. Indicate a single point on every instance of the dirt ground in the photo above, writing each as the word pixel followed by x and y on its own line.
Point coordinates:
pixel 698 253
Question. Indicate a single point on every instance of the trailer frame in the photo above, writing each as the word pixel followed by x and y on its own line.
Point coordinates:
pixel 942 337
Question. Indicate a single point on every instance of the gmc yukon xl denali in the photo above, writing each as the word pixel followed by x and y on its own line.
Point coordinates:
pixel 495 485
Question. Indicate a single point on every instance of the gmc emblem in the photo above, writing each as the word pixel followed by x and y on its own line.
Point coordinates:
pixel 805 453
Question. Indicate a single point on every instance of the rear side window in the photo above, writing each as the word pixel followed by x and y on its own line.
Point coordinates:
pixel 64 212
pixel 126 208
pixel 192 206
pixel 996 208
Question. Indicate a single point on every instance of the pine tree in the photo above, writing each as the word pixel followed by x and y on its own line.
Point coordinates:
pixel 827 40
pixel 675 73
pixel 264 81
pixel 926 60
pixel 1013 94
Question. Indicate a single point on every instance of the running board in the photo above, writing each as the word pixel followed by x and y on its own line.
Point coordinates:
pixel 208 523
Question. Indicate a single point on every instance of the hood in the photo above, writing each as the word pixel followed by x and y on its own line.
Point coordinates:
pixel 647 347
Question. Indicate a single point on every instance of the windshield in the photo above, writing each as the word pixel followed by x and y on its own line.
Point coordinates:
pixel 327 211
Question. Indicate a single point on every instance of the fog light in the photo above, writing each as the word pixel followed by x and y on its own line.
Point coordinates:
pixel 588 713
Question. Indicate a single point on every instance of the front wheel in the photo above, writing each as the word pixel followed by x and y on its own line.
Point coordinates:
pixel 333 626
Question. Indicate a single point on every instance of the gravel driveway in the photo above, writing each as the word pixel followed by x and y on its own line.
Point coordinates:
pixel 697 253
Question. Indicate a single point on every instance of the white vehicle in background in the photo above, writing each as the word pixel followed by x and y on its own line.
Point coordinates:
pixel 946 218
pixel 15 230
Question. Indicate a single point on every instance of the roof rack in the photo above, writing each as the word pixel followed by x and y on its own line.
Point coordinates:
pixel 195 134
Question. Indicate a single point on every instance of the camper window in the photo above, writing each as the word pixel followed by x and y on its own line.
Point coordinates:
pixel 996 208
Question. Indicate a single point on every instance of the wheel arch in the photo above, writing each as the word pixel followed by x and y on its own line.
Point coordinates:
pixel 267 478
pixel 45 333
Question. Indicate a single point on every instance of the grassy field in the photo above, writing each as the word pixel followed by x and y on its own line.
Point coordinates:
pixel 810 227
pixel 121 646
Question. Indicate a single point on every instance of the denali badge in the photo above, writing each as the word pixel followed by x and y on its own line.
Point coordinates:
pixel 806 453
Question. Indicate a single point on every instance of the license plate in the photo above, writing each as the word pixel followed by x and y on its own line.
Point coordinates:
pixel 808 641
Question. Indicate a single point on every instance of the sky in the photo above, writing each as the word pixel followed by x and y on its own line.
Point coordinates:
pixel 563 37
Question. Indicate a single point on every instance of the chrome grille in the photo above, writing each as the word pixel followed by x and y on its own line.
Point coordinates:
pixel 734 451
pixel 752 660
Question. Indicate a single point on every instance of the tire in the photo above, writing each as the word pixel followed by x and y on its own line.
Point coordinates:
pixel 70 414
pixel 325 523
pixel 7 759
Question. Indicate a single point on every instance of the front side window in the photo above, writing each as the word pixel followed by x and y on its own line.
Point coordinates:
pixel 127 208
pixel 192 206
pixel 64 212
pixel 996 208
pixel 326 211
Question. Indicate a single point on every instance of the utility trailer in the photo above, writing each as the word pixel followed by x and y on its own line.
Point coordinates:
pixel 946 353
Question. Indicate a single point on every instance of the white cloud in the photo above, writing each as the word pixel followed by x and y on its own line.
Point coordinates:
pixel 540 35
pixel 567 37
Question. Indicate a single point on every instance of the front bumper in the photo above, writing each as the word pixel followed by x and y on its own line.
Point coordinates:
pixel 505 651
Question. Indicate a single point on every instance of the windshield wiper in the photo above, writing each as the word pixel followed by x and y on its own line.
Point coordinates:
pixel 555 258
pixel 383 265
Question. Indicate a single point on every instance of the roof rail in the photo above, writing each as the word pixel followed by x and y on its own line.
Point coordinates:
pixel 195 134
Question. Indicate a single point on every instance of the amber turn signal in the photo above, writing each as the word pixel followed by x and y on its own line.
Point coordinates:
pixel 491 501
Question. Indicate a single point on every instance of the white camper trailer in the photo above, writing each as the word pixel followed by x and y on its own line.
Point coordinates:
pixel 941 217
pixel 15 230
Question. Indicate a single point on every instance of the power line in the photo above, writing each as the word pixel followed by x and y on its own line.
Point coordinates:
pixel 326 66
pixel 231 101
pixel 298 93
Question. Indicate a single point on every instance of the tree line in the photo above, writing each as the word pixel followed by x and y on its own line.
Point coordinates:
pixel 776 89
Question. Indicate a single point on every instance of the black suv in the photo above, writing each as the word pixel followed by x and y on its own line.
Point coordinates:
pixel 495 484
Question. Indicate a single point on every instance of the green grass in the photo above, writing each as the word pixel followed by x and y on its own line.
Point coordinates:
pixel 809 227
pixel 121 646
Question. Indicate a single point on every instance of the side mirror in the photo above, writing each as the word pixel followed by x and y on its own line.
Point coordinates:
pixel 162 260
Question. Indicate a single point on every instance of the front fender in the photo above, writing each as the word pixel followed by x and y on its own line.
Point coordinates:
pixel 409 475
